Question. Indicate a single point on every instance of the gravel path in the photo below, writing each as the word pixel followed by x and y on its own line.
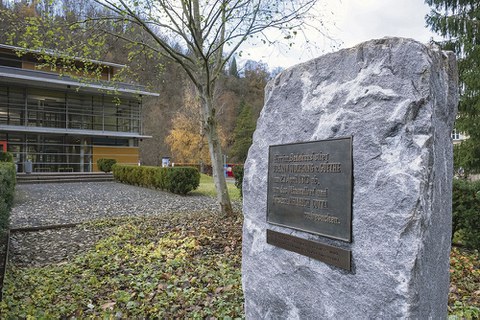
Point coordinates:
pixel 46 247
pixel 62 203
pixel 65 203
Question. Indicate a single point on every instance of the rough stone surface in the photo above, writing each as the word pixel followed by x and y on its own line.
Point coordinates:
pixel 398 99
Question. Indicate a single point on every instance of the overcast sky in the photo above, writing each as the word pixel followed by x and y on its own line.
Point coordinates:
pixel 355 21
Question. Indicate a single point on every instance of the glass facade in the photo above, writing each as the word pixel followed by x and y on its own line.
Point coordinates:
pixel 70 110
pixel 62 123
pixel 56 153
pixel 34 108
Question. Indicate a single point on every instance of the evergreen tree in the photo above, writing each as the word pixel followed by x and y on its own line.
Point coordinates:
pixel 233 69
pixel 243 133
pixel 457 21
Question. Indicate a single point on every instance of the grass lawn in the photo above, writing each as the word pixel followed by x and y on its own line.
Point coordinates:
pixel 207 188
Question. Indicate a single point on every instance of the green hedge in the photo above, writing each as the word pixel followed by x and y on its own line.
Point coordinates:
pixel 105 165
pixel 7 190
pixel 180 180
pixel 6 157
pixel 238 174
pixel 466 212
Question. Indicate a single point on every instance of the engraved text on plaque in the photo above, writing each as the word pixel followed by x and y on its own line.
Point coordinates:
pixel 310 187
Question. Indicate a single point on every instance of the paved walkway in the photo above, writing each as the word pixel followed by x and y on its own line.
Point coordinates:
pixel 62 203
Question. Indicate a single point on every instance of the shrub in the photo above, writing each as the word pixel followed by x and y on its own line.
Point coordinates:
pixel 182 180
pixel 160 178
pixel 148 176
pixel 202 168
pixel 179 180
pixel 238 174
pixel 466 212
pixel 7 190
pixel 105 165
pixel 6 157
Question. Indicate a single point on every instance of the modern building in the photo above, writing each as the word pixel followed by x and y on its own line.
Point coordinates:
pixel 61 123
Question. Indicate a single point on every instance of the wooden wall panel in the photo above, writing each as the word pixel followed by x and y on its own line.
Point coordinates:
pixel 123 155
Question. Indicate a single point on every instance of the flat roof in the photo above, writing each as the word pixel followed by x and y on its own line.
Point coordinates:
pixel 76 132
pixel 47 79
pixel 58 53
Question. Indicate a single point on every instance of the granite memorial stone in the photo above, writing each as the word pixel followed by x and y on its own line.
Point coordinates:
pixel 395 100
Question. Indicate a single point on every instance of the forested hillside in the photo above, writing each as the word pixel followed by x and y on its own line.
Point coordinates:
pixel 173 118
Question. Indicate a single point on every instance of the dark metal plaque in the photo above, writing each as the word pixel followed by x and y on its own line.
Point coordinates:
pixel 310 187
pixel 332 255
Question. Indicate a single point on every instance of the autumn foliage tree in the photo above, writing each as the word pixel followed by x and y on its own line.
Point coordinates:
pixel 187 139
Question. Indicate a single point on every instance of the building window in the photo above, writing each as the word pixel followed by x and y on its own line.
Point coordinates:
pixel 456 135
pixel 10 60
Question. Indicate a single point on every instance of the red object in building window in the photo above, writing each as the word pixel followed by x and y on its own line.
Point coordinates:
pixel 3 146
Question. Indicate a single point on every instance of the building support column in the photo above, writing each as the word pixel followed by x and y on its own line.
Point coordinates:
pixel 66 111
pixel 25 119
pixel 82 154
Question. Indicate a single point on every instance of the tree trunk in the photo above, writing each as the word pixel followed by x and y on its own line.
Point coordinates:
pixel 215 149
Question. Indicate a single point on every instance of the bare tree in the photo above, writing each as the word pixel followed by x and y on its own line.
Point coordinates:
pixel 198 35
pixel 208 32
